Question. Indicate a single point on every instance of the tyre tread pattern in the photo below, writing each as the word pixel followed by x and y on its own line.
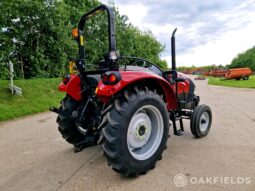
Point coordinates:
pixel 66 125
pixel 111 132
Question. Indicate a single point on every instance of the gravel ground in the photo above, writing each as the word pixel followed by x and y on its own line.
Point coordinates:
pixel 35 157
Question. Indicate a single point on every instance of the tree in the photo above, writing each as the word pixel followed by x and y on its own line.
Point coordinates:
pixel 245 59
pixel 35 36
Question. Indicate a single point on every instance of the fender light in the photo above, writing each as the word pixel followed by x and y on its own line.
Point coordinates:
pixel 66 79
pixel 111 78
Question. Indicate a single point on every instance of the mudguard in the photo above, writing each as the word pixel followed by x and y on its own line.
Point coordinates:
pixel 184 87
pixel 72 88
pixel 105 92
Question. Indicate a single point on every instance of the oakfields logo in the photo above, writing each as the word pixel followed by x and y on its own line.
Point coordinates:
pixel 180 180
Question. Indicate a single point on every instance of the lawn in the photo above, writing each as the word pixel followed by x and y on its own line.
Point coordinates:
pixel 233 83
pixel 41 94
pixel 38 96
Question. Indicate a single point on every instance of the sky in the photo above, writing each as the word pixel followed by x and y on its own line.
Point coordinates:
pixel 209 31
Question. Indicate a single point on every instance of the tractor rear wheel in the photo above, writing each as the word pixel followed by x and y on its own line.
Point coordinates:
pixel 136 132
pixel 66 125
pixel 201 121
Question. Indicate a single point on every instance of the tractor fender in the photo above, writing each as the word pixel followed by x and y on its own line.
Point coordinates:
pixel 72 87
pixel 106 92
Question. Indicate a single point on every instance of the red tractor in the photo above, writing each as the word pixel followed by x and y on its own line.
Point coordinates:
pixel 126 105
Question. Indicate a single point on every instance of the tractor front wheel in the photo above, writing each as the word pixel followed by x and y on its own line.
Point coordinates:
pixel 201 121
pixel 136 132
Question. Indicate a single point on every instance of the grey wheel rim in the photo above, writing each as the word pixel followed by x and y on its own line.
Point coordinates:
pixel 145 132
pixel 204 122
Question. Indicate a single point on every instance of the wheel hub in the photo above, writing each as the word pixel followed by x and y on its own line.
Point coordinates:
pixel 145 132
pixel 140 130
pixel 204 121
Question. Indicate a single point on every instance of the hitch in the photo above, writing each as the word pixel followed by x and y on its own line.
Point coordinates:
pixel 89 140
pixel 53 109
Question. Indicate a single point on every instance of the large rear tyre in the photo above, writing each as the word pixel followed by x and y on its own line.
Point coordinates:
pixel 66 125
pixel 136 132
pixel 201 121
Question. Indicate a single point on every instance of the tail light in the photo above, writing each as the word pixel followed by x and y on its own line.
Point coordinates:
pixel 105 78
pixel 66 79
pixel 111 78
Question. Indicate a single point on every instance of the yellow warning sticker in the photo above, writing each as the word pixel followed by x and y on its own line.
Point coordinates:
pixel 81 41
pixel 72 67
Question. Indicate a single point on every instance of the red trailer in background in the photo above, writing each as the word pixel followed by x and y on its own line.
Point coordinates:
pixel 218 72
pixel 221 73
pixel 206 73
pixel 238 73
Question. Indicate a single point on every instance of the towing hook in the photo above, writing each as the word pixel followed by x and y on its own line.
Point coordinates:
pixel 53 109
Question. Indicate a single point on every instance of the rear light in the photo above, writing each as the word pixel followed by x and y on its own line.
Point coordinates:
pixel 66 79
pixel 105 78
pixel 111 78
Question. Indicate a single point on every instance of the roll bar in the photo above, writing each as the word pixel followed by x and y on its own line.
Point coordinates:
pixel 111 28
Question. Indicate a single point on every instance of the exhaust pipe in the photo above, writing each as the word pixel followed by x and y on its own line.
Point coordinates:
pixel 173 49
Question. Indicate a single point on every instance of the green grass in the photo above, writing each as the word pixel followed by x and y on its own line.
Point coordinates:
pixel 233 83
pixel 38 96
pixel 41 94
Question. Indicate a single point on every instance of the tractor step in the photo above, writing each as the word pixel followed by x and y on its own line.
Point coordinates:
pixel 177 132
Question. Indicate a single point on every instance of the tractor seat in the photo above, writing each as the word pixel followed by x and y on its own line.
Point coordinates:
pixel 94 79
pixel 151 68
